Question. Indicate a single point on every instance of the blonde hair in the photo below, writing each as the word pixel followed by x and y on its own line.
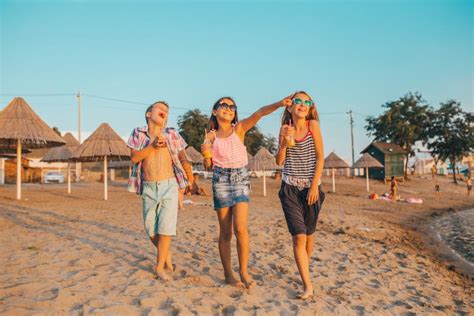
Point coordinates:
pixel 312 114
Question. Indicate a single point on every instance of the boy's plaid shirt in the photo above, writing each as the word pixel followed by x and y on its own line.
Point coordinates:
pixel 139 139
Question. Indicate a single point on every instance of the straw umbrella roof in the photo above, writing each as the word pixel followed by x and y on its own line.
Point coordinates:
pixel 70 140
pixel 63 153
pixel 334 161
pixel 367 161
pixel 263 159
pixel 103 142
pixel 57 154
pixel 194 156
pixel 20 122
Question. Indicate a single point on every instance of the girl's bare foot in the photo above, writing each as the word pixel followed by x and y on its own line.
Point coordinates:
pixel 231 280
pixel 161 275
pixel 247 280
pixel 170 267
pixel 307 294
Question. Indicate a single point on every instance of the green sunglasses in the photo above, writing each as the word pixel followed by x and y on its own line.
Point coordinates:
pixel 307 102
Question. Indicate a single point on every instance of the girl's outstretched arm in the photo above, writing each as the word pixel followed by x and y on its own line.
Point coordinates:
pixel 246 124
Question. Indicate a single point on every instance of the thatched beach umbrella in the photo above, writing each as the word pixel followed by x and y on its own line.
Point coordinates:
pixel 194 156
pixel 72 143
pixel 22 128
pixel 367 161
pixel 332 162
pixel 103 144
pixel 60 154
pixel 264 160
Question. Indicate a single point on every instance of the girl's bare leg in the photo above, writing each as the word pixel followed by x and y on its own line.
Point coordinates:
pixel 302 261
pixel 242 235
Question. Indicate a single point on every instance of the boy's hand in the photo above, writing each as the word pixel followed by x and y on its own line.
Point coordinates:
pixel 313 194
pixel 159 142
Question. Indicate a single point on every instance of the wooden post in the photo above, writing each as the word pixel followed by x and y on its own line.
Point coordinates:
pixel 2 171
pixel 129 171
pixel 264 184
pixel 333 181
pixel 18 170
pixel 68 178
pixel 105 178
pixel 367 177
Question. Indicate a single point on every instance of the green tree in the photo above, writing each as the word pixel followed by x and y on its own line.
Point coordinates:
pixel 404 122
pixel 191 126
pixel 254 140
pixel 270 142
pixel 451 133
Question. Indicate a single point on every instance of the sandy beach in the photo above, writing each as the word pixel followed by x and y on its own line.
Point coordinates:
pixel 78 255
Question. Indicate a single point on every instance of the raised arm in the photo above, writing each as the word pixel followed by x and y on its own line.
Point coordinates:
pixel 246 124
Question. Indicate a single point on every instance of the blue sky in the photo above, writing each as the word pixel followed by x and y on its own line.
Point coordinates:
pixel 347 54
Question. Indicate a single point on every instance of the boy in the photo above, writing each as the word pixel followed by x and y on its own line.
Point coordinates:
pixel 160 170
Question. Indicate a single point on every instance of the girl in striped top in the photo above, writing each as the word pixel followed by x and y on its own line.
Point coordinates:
pixel 301 150
pixel 230 181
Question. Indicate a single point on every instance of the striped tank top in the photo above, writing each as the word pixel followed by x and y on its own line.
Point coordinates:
pixel 229 152
pixel 300 162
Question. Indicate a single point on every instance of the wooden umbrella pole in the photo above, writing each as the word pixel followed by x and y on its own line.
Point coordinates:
pixel 264 184
pixel 18 170
pixel 105 178
pixel 68 178
pixel 333 181
pixel 367 177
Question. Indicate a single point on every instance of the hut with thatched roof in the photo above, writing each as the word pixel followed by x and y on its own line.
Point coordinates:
pixel 333 162
pixel 104 144
pixel 366 162
pixel 23 128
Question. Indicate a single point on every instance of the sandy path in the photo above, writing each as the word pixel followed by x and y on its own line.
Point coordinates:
pixel 80 255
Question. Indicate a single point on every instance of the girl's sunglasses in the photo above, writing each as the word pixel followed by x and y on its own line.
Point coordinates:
pixel 226 106
pixel 299 101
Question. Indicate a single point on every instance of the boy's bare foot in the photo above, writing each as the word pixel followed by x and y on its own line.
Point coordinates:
pixel 161 275
pixel 247 280
pixel 307 294
pixel 231 280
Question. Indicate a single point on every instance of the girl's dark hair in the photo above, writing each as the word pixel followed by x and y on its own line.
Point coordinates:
pixel 213 124
pixel 312 114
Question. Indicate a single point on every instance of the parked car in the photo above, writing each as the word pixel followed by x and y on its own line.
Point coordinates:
pixel 53 177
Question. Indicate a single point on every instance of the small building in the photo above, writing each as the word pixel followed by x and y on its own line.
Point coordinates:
pixel 391 156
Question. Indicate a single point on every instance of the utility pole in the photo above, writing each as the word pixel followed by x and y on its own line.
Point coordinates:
pixel 351 120
pixel 79 116
pixel 78 164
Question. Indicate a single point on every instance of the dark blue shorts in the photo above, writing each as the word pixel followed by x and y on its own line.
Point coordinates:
pixel 300 217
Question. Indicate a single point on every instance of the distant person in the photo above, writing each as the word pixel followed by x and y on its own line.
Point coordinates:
pixel 196 189
pixel 437 189
pixel 469 186
pixel 301 151
pixel 224 149
pixel 433 171
pixel 393 188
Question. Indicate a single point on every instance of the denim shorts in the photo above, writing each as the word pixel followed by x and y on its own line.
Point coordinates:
pixel 160 207
pixel 230 186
